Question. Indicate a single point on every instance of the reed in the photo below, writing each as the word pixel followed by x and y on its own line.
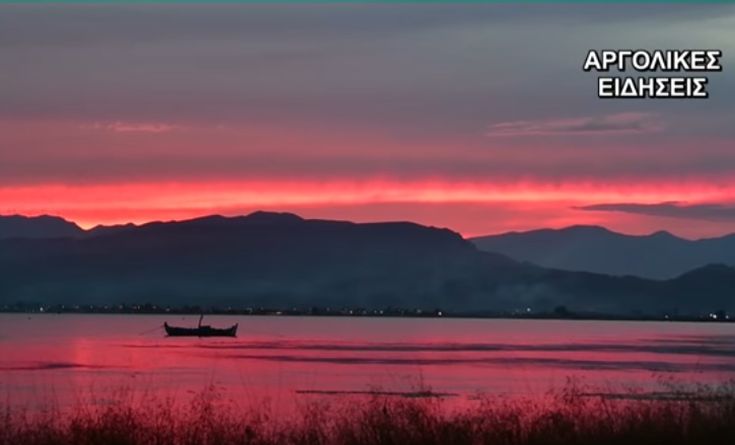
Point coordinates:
pixel 574 415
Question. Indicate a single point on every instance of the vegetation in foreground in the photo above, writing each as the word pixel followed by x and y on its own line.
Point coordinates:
pixel 572 416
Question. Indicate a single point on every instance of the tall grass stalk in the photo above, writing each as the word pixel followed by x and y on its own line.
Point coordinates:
pixel 575 415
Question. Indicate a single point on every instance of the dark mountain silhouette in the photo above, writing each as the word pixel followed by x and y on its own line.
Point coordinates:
pixel 17 226
pixel 106 230
pixel 660 255
pixel 282 260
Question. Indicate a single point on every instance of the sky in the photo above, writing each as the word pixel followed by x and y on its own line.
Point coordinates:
pixel 474 117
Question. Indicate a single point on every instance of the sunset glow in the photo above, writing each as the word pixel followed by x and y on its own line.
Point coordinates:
pixel 242 109
pixel 524 204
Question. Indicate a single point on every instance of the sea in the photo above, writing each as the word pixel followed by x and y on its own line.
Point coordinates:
pixel 68 359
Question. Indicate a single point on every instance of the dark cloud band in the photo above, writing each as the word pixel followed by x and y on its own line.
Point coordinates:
pixel 708 212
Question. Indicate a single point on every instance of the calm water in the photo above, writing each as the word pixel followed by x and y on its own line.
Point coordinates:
pixel 284 359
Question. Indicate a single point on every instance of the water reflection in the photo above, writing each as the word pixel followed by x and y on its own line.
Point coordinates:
pixel 287 357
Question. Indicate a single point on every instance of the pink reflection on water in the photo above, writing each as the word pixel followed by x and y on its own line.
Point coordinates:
pixel 283 359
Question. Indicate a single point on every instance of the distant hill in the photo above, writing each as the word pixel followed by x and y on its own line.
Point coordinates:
pixel 264 258
pixel 106 230
pixel 17 226
pixel 282 260
pixel 595 249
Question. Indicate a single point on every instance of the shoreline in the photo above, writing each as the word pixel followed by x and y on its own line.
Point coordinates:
pixel 370 315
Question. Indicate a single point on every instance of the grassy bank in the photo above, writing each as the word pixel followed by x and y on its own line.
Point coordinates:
pixel 575 415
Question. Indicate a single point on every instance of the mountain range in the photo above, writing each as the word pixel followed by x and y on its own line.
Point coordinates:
pixel 660 255
pixel 282 260
pixel 45 226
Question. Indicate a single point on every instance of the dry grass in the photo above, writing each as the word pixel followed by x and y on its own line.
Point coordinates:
pixel 572 416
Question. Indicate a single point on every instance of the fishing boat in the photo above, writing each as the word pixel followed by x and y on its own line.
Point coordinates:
pixel 200 331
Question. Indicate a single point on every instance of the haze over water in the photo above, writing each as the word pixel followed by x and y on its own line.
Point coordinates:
pixel 286 359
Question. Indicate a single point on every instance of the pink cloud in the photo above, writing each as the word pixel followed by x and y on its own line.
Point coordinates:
pixel 134 127
pixel 470 207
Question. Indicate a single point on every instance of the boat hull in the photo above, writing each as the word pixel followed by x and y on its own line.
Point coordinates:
pixel 202 331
